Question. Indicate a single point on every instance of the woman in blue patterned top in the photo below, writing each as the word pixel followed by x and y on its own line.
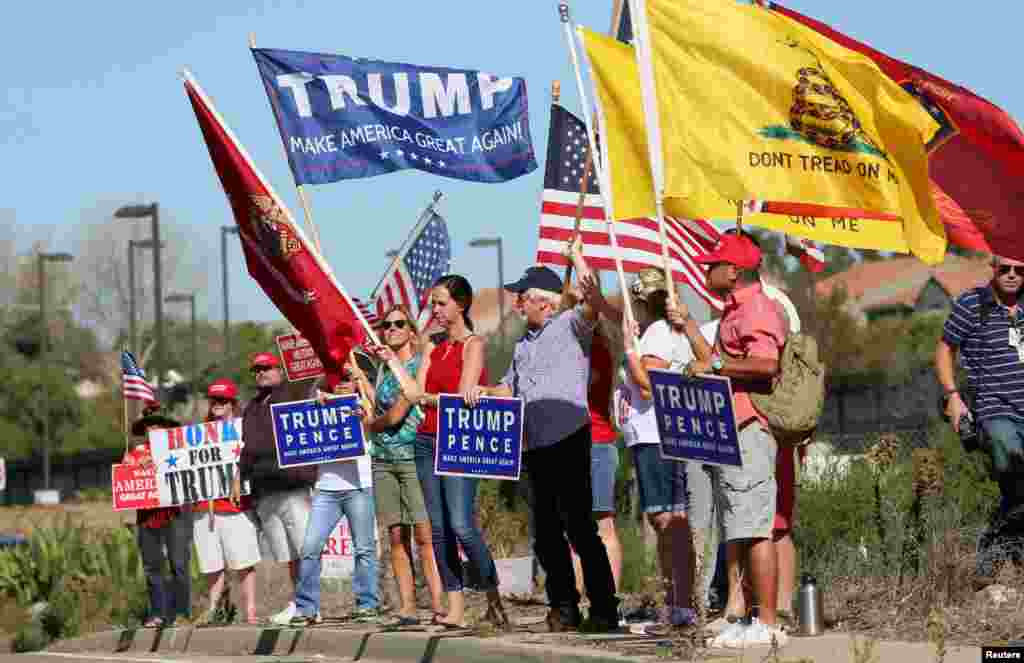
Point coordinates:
pixel 400 506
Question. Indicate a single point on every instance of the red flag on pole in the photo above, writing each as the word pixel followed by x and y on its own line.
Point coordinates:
pixel 291 272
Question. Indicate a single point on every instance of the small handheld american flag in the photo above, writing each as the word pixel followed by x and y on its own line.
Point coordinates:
pixel 133 380
pixel 425 258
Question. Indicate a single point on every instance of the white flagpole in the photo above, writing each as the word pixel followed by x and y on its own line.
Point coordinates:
pixel 649 97
pixel 599 163
pixel 317 256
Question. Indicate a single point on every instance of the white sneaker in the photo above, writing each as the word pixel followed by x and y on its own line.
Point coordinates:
pixel 728 636
pixel 756 635
pixel 284 618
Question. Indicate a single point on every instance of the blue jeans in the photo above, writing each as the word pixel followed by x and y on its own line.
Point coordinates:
pixel 451 505
pixel 168 599
pixel 1004 441
pixel 328 508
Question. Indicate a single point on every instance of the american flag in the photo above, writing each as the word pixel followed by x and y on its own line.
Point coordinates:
pixel 638 239
pixel 424 259
pixel 368 311
pixel 807 252
pixel 133 380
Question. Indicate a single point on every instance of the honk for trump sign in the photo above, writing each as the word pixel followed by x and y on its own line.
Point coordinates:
pixel 198 462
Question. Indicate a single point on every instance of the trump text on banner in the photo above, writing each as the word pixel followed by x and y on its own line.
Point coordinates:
pixel 198 462
pixel 308 433
pixel 483 442
pixel 696 421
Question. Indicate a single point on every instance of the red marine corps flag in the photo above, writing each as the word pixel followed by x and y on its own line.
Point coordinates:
pixel 292 273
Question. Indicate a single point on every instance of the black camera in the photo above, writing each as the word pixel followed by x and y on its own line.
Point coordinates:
pixel 969 433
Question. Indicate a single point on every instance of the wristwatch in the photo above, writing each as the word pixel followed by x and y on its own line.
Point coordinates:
pixel 717 363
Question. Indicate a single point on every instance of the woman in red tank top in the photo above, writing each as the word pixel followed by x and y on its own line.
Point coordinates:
pixel 452 367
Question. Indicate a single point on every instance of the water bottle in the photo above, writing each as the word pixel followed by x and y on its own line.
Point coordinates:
pixel 810 607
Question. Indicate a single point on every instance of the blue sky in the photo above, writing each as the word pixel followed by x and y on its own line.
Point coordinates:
pixel 96 116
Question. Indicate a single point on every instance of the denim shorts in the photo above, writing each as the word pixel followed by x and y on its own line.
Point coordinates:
pixel 604 464
pixel 662 482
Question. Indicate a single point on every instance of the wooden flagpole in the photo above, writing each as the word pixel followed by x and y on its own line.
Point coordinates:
pixel 739 217
pixel 602 168
pixel 588 163
pixel 307 211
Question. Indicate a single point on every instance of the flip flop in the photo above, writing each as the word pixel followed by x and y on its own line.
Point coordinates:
pixel 450 626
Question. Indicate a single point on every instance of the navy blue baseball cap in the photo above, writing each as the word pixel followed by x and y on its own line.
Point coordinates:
pixel 541 278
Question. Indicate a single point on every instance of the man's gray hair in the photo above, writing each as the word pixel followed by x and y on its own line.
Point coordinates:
pixel 553 298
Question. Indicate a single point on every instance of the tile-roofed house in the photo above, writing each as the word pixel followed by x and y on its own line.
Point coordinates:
pixel 906 285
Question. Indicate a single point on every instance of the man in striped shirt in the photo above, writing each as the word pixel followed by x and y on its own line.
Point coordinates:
pixel 986 329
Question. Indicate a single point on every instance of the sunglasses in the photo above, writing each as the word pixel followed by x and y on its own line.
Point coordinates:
pixel 397 324
pixel 220 401
pixel 1003 270
pixel 256 370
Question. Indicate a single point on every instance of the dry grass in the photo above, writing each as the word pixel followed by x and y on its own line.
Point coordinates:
pixel 97 515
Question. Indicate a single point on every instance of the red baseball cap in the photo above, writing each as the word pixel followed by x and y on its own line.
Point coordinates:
pixel 223 388
pixel 735 250
pixel 265 359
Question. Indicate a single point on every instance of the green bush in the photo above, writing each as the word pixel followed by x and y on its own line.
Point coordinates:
pixel 87 577
pixel 63 616
pixel 844 528
pixel 639 563
pixel 29 637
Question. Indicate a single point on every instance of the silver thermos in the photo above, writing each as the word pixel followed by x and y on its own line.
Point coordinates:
pixel 810 607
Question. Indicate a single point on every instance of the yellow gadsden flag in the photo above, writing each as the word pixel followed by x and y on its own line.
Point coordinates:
pixel 620 119
pixel 752 106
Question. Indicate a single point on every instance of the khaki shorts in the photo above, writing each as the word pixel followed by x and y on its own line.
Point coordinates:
pixel 745 496
pixel 232 543
pixel 283 518
pixel 399 496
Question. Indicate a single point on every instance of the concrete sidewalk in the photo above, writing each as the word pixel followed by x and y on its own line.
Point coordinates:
pixel 457 647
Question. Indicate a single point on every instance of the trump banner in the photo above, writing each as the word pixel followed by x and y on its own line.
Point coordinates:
pixel 696 421
pixel 310 433
pixel 484 442
pixel 198 462
pixel 134 487
pixel 345 118
pixel 300 360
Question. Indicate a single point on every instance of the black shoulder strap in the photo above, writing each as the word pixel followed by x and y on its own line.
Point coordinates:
pixel 986 304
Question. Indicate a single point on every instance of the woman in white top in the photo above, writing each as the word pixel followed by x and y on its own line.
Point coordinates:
pixel 662 483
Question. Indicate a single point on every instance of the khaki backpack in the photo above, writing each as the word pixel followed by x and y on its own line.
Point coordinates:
pixel 798 391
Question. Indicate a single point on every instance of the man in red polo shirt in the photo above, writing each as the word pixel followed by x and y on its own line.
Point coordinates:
pixel 747 350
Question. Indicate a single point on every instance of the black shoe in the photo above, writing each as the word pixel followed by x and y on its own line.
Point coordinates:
pixel 598 623
pixel 564 619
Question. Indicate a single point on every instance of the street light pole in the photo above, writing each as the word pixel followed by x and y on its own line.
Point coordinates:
pixel 44 341
pixel 44 348
pixel 224 232
pixel 484 242
pixel 131 296
pixel 158 313
pixel 191 299
pixel 153 212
